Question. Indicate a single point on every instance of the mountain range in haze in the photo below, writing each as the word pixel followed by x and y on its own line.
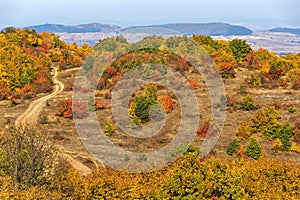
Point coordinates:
pixel 82 28
pixel 280 40
pixel 211 29
pixel 286 30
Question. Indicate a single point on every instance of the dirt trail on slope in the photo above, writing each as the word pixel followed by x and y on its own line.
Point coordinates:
pixel 30 117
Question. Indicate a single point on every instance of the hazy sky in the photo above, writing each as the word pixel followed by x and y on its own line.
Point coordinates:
pixel 255 14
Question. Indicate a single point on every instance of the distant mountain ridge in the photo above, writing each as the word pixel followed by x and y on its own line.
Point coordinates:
pixel 82 28
pixel 286 30
pixel 212 29
pixel 278 40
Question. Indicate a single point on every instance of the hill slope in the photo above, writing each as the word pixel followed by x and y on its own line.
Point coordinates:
pixel 211 29
pixel 82 28
pixel 286 30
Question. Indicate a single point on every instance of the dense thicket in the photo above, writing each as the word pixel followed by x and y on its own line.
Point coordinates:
pixel 187 178
pixel 26 59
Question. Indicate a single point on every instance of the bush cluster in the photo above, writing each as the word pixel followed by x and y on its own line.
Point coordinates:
pixel 254 149
pixel 139 108
pixel 266 123
pixel 187 178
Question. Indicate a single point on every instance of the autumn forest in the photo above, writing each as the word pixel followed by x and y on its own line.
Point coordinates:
pixel 257 155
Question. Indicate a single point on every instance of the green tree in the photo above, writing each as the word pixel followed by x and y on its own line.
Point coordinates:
pixel 254 149
pixel 107 44
pixel 247 103
pixel 232 147
pixel 285 134
pixel 239 49
pixel 108 128
pixel 266 121
pixel 142 104
pixel 121 39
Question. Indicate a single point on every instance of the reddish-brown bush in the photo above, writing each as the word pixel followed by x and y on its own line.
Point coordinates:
pixel 99 105
pixel 69 108
pixel 27 89
pixel 193 83
pixel 205 131
pixel 296 84
pixel 166 102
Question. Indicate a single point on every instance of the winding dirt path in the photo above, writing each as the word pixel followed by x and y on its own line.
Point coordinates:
pixel 30 117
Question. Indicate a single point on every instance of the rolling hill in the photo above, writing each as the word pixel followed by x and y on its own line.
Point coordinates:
pixel 82 28
pixel 212 29
pixel 286 30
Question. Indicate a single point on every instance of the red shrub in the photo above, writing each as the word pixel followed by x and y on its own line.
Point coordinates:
pixel 99 105
pixel 26 89
pixel 202 130
pixel 80 109
pixel 272 79
pixel 205 130
pixel 4 92
pixel 231 101
pixel 227 69
pixel 296 85
pixel 40 78
pixel 111 71
pixel 166 102
pixel 193 83
pixel 296 137
pixel 43 87
pixel 68 110
pixel 65 109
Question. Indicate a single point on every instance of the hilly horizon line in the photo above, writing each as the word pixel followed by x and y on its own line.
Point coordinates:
pixel 187 28
pixel 212 29
pixel 152 24
pixel 115 24
pixel 149 25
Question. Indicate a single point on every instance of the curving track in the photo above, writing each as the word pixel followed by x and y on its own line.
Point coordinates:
pixel 30 118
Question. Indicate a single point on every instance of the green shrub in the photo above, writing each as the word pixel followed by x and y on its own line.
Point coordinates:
pixel 151 93
pixel 254 81
pixel 285 133
pixel 140 106
pixel 11 104
pixel 143 106
pixel 293 110
pixel 92 104
pixel 232 147
pixel 254 149
pixel 277 145
pixel 142 158
pixel 242 89
pixel 240 49
pixel 266 122
pixel 244 130
pixel 47 103
pixel 247 103
pixel 108 129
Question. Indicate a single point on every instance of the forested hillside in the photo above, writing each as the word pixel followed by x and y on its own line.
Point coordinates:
pixel 27 58
pixel 256 157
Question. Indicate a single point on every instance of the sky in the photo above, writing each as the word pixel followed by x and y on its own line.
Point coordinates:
pixel 254 14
